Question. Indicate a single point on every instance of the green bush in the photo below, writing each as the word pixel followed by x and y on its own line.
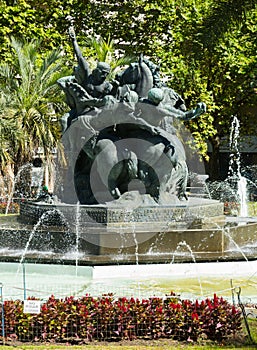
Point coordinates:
pixel 106 318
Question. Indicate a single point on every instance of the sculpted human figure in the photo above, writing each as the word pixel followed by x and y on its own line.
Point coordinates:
pixel 94 82
pixel 85 89
pixel 166 109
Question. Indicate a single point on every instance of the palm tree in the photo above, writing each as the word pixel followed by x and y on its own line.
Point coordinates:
pixel 30 97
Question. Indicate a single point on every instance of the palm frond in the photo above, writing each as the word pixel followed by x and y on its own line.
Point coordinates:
pixel 102 48
pixel 27 101
pixel 105 52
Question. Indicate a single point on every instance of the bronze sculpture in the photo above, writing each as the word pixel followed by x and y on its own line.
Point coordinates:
pixel 120 131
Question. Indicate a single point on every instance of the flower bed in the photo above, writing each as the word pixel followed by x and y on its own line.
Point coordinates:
pixel 12 209
pixel 106 318
pixel 231 208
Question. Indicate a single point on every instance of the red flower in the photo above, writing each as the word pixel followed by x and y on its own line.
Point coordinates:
pixel 195 316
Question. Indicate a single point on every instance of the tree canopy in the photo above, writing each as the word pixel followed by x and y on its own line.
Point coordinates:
pixel 206 49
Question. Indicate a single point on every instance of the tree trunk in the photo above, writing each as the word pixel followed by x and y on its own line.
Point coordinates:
pixel 213 166
pixel 8 180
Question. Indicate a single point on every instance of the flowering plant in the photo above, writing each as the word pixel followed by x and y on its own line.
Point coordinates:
pixel 105 318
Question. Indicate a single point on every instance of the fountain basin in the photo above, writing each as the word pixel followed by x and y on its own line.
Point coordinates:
pixel 99 235
pixel 193 212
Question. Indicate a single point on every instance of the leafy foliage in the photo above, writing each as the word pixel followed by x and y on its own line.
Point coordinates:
pixel 207 49
pixel 106 318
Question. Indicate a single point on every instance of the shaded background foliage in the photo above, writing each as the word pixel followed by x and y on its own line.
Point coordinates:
pixel 206 48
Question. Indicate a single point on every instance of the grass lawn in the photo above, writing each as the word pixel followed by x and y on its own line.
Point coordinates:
pixel 7 216
pixel 163 345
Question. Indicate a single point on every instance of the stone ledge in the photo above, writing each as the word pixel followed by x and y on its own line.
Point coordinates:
pixel 195 210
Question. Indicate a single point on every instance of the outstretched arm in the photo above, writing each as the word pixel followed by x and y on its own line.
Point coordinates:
pixel 194 113
pixel 81 60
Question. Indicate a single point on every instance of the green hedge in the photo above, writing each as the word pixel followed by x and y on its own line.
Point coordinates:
pixel 106 318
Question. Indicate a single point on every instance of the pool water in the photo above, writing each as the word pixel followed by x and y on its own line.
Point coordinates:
pixel 190 280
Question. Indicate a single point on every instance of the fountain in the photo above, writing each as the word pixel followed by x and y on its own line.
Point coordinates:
pixel 235 169
pixel 124 195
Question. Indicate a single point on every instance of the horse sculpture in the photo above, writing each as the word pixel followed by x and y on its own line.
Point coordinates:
pixel 138 76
